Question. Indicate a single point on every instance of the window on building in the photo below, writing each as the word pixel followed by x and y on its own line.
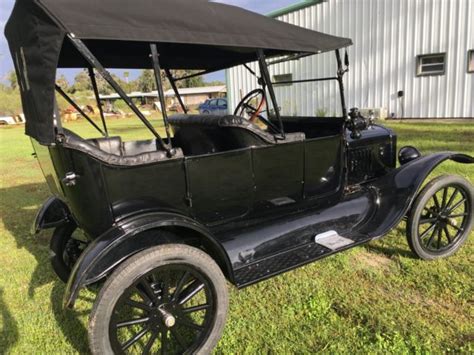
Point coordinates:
pixel 282 79
pixel 431 64
pixel 470 61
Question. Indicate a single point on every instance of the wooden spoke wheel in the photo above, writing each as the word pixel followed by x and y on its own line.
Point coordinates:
pixel 441 218
pixel 167 300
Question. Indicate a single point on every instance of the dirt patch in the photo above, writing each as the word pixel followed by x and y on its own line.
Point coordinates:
pixel 366 259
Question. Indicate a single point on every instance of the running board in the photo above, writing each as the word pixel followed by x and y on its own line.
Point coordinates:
pixel 324 245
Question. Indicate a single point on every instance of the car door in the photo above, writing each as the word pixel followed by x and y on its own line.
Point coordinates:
pixel 220 186
pixel 213 107
pixel 323 166
pixel 279 175
pixel 222 107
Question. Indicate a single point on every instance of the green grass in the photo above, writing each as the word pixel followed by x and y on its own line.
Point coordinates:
pixel 372 299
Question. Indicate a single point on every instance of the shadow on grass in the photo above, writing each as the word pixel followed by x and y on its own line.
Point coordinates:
pixel 390 251
pixel 18 210
pixel 9 331
pixel 390 246
pixel 68 320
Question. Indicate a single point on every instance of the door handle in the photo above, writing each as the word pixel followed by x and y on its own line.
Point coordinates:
pixel 70 179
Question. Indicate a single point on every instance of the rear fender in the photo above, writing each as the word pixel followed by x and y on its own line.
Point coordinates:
pixel 397 190
pixel 53 213
pixel 131 236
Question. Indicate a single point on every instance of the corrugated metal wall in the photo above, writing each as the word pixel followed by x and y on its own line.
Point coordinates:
pixel 388 35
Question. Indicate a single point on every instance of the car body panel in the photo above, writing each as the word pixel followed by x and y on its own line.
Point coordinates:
pixel 279 174
pixel 257 249
pixel 218 196
pixel 146 189
pixel 260 205
pixel 324 166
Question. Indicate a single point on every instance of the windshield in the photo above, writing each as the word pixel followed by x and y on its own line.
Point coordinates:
pixel 318 99
pixel 307 87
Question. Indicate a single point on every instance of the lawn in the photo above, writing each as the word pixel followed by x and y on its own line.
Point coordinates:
pixel 372 299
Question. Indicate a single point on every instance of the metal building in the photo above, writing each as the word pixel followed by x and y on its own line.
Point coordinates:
pixel 410 59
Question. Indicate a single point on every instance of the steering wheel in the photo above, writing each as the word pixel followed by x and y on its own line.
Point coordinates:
pixel 247 110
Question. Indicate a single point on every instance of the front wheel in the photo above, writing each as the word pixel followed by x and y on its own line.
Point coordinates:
pixel 170 299
pixel 441 217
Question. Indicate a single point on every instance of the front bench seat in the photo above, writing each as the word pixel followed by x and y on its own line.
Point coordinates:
pixel 111 153
pixel 206 134
pixel 194 141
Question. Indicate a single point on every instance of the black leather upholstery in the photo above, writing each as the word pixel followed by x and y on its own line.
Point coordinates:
pixel 140 147
pixel 111 145
pixel 206 134
pixel 182 120
pixel 93 148
pixel 313 127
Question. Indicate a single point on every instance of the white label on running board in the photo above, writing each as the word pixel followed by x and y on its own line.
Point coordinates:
pixel 332 240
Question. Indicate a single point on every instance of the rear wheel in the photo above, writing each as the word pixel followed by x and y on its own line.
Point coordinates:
pixel 66 246
pixel 441 217
pixel 171 299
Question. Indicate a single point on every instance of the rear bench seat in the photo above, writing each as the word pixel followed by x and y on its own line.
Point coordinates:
pixel 112 151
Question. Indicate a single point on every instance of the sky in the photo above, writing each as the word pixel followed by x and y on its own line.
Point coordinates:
pixel 6 6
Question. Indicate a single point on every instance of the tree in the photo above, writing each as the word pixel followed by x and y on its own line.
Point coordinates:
pixel 126 78
pixel 194 82
pixel 82 82
pixel 12 79
pixel 10 103
pixel 146 81
pixel 103 86
pixel 214 83
pixel 63 83
pixel 188 83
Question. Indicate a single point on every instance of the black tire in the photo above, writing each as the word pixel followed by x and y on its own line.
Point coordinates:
pixel 143 287
pixel 441 217
pixel 61 262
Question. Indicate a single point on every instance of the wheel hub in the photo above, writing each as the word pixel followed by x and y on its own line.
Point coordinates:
pixel 161 316
pixel 447 221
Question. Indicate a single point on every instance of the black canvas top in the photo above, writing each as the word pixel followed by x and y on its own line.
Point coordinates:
pixel 184 21
pixel 190 34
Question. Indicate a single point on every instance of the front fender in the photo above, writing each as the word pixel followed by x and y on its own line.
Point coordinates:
pixel 397 190
pixel 53 213
pixel 127 239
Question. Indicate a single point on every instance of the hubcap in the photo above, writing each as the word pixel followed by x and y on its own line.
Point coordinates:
pixel 168 319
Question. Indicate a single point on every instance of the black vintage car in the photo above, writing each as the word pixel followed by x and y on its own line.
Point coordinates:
pixel 237 197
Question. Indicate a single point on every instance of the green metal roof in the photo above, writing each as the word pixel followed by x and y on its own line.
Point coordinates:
pixel 295 7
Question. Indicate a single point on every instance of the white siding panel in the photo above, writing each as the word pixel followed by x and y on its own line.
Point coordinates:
pixel 388 35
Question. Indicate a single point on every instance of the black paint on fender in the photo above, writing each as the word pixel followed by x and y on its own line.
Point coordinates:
pixel 133 235
pixel 53 213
